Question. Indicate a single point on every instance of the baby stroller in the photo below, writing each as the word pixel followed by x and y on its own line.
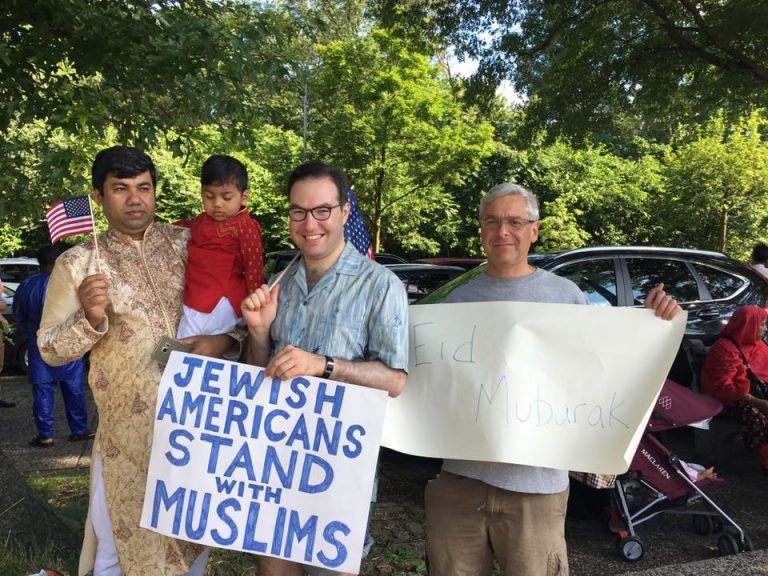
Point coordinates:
pixel 657 482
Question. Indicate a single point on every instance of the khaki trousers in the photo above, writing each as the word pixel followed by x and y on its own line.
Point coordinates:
pixel 469 523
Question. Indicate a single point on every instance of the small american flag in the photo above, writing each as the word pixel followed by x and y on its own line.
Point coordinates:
pixel 355 230
pixel 69 217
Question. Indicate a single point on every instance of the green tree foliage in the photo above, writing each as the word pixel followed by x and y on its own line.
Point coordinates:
pixel 587 67
pixel 384 112
pixel 506 162
pixel 717 188
pixel 591 197
pixel 188 78
pixel 127 66
pixel 39 165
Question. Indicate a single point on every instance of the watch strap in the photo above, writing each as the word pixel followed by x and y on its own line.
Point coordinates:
pixel 329 366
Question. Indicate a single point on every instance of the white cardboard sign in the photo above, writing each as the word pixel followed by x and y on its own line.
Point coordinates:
pixel 250 463
pixel 553 385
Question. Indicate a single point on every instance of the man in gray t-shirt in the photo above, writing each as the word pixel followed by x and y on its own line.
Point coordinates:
pixel 480 510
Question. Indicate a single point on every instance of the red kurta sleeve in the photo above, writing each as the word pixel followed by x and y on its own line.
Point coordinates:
pixel 252 251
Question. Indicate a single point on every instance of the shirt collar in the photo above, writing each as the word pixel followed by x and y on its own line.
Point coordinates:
pixel 349 262
pixel 127 239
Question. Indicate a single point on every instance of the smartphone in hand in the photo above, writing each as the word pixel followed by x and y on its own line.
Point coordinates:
pixel 165 346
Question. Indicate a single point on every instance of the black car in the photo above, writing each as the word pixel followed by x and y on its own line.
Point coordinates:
pixel 462 262
pixel 420 280
pixel 708 285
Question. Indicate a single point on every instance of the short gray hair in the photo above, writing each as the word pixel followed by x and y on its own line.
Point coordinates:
pixel 531 202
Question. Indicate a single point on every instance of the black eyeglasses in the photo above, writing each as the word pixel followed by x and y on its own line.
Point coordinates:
pixel 319 213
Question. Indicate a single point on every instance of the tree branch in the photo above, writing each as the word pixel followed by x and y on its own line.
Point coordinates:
pixel 558 27
pixel 736 59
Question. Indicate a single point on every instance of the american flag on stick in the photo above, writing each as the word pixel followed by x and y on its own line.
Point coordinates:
pixel 69 217
pixel 355 230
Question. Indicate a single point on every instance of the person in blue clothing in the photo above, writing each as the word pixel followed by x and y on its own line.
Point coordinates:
pixel 28 309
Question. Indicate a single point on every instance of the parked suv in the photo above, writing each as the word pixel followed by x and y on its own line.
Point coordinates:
pixel 14 270
pixel 708 285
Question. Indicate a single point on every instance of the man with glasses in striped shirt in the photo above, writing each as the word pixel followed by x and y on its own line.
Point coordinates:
pixel 334 314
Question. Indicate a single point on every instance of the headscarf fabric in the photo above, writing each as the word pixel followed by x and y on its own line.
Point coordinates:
pixel 724 375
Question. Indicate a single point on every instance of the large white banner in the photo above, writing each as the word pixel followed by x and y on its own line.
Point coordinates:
pixel 250 463
pixel 554 385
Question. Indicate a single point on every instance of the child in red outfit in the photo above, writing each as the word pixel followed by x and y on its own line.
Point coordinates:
pixel 226 256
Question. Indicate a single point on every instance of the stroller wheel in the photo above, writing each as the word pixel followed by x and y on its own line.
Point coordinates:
pixel 745 545
pixel 727 545
pixel 631 548
pixel 703 524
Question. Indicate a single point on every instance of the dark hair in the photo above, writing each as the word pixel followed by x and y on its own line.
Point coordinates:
pixel 47 254
pixel 122 162
pixel 760 254
pixel 222 169
pixel 314 170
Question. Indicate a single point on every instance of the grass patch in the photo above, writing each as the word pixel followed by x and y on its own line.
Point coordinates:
pixel 67 494
pixel 231 563
pixel 18 559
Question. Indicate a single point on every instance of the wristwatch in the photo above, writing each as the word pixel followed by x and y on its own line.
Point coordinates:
pixel 329 366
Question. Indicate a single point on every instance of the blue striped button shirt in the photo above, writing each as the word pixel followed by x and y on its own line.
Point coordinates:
pixel 357 311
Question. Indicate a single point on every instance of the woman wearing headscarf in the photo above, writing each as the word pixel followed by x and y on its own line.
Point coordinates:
pixel 724 374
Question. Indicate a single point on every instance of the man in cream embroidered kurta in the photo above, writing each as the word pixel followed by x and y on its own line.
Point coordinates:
pixel 115 300
pixel 146 304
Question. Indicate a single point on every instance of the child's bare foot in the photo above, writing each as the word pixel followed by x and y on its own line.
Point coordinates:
pixel 708 474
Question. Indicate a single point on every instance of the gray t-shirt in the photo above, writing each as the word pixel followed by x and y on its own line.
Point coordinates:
pixel 539 286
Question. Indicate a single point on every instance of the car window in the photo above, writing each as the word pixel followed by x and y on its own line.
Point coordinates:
pixel 383 258
pixel 419 283
pixel 16 272
pixel 720 284
pixel 645 273
pixel 596 278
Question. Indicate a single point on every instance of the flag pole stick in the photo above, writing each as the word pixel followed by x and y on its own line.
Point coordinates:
pixel 281 274
pixel 95 239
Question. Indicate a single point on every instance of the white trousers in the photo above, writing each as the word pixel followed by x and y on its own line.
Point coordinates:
pixel 106 563
pixel 221 320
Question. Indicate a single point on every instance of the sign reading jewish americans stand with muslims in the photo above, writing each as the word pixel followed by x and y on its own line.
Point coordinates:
pixel 250 463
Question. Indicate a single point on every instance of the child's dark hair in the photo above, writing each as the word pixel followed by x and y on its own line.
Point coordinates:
pixel 122 162
pixel 223 169
pixel 314 170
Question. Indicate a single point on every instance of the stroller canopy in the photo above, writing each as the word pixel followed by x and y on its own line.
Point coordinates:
pixel 680 406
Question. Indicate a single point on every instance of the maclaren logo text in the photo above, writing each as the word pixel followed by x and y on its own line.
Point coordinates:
pixel 652 459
